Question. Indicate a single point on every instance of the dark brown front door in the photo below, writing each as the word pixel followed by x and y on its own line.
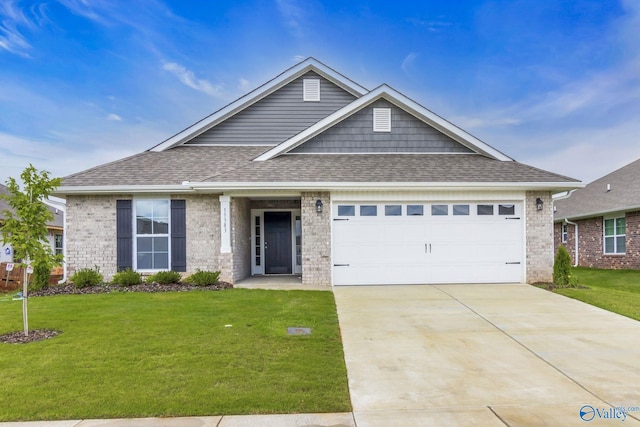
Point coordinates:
pixel 277 242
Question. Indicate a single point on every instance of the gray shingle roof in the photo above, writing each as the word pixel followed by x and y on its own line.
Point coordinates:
pixel 594 199
pixel 58 219
pixel 235 164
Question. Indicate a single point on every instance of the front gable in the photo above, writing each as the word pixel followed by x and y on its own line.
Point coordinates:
pixel 278 116
pixel 351 130
pixel 356 134
pixel 242 122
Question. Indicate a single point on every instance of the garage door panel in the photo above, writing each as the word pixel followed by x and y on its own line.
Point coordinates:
pixel 429 249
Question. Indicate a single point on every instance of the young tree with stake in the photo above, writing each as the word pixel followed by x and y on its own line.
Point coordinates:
pixel 25 229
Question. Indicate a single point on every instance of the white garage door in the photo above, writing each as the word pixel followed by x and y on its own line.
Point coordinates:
pixel 422 243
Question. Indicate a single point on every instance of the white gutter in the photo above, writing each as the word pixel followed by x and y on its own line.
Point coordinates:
pixel 309 185
pixel 575 264
pixel 121 189
pixel 63 207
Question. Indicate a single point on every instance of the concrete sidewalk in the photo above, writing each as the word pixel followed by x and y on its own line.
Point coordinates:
pixel 291 420
pixel 486 355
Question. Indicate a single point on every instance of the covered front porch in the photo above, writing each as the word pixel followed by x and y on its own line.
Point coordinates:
pixel 276 236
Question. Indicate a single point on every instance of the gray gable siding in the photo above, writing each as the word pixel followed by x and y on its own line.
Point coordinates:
pixel 278 116
pixel 355 135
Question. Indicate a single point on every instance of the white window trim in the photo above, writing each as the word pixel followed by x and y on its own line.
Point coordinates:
pixel 311 90
pixel 382 119
pixel 564 232
pixel 614 235
pixel 136 235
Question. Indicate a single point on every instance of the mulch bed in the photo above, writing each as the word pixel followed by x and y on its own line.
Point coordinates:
pixel 34 335
pixel 144 287
pixel 551 287
pixel 43 334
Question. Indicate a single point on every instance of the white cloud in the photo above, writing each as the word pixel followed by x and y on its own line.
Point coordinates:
pixel 432 26
pixel 408 62
pixel 588 154
pixel 11 38
pixel 188 78
pixel 293 15
pixel 114 117
pixel 243 84
pixel 86 9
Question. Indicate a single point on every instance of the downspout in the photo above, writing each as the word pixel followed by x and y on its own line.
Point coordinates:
pixel 575 264
pixel 566 195
pixel 63 208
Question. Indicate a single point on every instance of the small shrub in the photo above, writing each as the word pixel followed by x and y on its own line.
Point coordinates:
pixel 40 278
pixel 127 277
pixel 165 277
pixel 573 282
pixel 203 278
pixel 86 277
pixel 562 268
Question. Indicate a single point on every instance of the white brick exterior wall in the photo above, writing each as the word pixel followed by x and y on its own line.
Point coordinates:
pixel 91 233
pixel 241 238
pixel 539 237
pixel 316 240
pixel 203 231
pixel 91 236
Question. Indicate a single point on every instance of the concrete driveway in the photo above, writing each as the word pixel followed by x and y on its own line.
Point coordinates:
pixel 486 355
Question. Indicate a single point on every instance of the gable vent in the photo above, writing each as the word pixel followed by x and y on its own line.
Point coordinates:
pixel 311 89
pixel 382 119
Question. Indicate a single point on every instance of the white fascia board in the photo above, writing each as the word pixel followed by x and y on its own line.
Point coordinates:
pixel 401 101
pixel 121 189
pixel 310 64
pixel 307 186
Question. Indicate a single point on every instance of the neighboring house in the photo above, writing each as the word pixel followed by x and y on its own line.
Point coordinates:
pixel 601 222
pixel 55 228
pixel 312 174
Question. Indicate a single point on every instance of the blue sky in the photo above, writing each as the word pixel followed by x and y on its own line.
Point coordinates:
pixel 553 83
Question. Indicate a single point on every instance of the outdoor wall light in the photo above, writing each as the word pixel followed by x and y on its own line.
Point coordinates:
pixel 319 206
pixel 539 203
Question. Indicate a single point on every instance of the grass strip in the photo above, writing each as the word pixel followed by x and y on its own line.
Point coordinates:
pixel 174 354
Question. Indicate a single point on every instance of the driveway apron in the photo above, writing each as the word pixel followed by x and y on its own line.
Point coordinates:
pixel 486 355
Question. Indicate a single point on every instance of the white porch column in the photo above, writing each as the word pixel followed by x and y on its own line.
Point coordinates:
pixel 225 224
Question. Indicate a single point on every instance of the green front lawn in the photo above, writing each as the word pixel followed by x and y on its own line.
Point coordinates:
pixel 173 354
pixel 613 290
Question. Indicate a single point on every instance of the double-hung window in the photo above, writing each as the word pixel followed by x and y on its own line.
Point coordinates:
pixel 564 233
pixel 615 235
pixel 152 234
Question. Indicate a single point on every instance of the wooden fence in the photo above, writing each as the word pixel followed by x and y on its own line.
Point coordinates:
pixel 10 280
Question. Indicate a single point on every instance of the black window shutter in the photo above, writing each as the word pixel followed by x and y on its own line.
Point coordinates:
pixel 124 234
pixel 178 235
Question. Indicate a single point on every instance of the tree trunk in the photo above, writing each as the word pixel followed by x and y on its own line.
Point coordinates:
pixel 25 317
